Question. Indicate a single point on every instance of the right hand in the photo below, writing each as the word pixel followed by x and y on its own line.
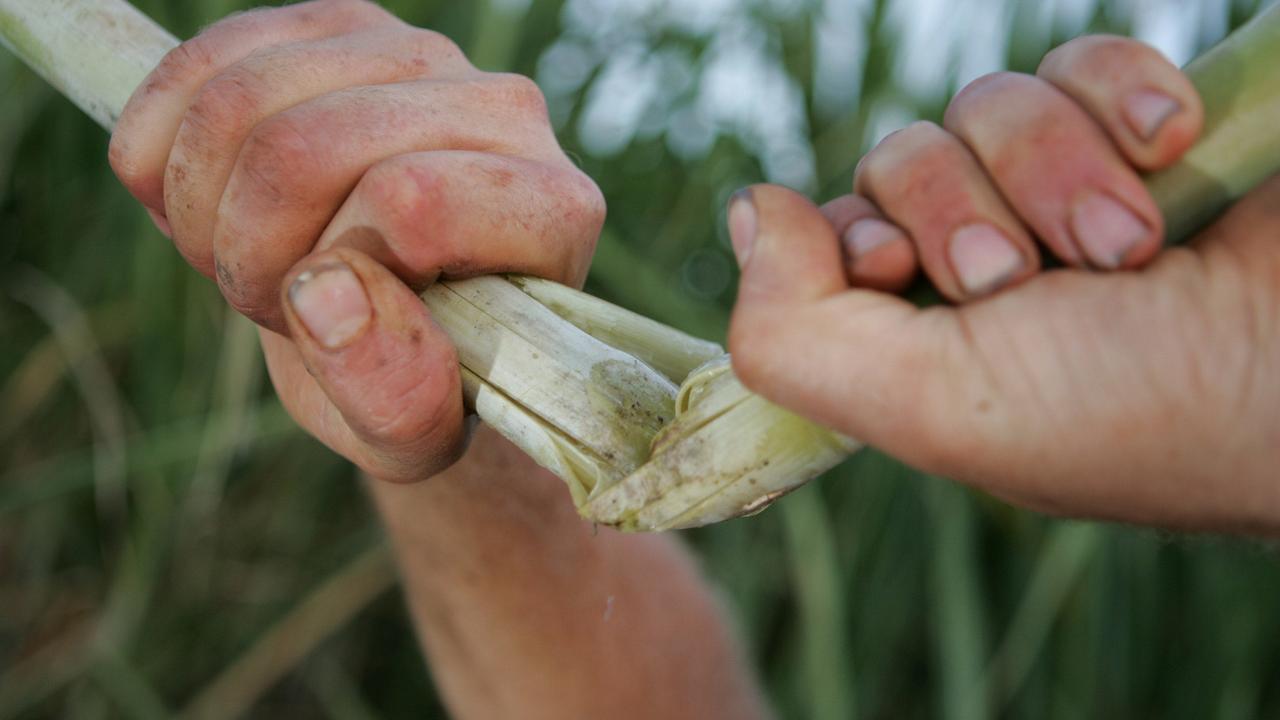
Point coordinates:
pixel 1149 395
pixel 318 161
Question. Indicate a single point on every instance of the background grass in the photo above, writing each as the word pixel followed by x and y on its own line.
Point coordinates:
pixel 168 540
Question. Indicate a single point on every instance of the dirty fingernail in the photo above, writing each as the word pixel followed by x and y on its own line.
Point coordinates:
pixel 1146 111
pixel 868 234
pixel 984 258
pixel 743 225
pixel 1106 230
pixel 332 304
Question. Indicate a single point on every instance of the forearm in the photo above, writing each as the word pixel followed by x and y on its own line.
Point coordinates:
pixel 524 610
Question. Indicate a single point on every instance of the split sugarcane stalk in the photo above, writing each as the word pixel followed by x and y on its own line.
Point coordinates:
pixel 648 426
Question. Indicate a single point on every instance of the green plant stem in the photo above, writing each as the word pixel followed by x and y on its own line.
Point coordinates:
pixel 1239 81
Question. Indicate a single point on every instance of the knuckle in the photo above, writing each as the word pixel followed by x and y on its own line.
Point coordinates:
pixel 246 295
pixel 921 134
pixel 279 161
pixel 582 210
pixel 121 156
pixel 193 56
pixel 519 93
pixel 1000 115
pixel 315 12
pixel 1061 61
pixel 585 202
pixel 226 103
pixel 981 93
pixel 411 203
pixel 439 48
pixel 1092 55
pixel 903 162
pixel 359 8
pixel 406 195
pixel 887 153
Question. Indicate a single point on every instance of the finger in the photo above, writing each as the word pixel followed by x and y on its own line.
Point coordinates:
pixel 296 169
pixel 807 268
pixel 877 254
pixel 1149 108
pixel 368 372
pixel 1058 170
pixel 791 281
pixel 864 362
pixel 969 242
pixel 997 393
pixel 149 123
pixel 230 114
pixel 459 214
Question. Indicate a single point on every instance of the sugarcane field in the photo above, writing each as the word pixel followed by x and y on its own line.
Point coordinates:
pixel 743 359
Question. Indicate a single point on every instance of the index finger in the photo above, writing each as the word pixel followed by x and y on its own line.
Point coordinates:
pixel 149 123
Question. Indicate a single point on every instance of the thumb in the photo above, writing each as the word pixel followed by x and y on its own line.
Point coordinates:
pixel 866 363
pixel 367 371
pixel 785 246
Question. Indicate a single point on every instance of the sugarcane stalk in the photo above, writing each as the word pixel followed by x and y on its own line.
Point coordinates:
pixel 1239 82
pixel 94 53
pixel 589 390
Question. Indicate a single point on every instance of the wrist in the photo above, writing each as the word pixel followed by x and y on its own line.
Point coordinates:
pixel 493 483
pixel 485 452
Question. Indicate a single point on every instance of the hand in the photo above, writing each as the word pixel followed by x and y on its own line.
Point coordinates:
pixel 1151 395
pixel 328 150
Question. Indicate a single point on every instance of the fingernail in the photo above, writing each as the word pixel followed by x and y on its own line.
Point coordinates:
pixel 331 303
pixel 1106 230
pixel 983 258
pixel 742 225
pixel 867 234
pixel 162 223
pixel 1147 110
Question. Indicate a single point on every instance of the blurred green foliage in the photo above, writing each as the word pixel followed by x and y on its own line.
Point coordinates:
pixel 162 522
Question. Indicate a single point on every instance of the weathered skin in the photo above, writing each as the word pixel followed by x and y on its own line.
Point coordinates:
pixel 915 192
